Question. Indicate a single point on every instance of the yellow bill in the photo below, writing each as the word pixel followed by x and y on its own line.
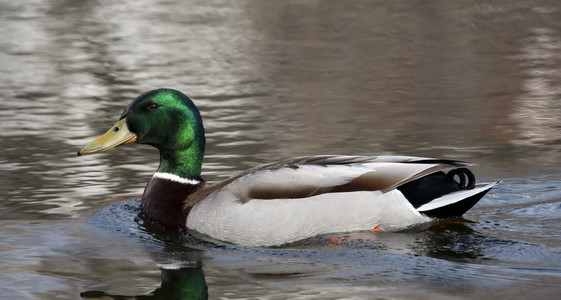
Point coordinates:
pixel 119 134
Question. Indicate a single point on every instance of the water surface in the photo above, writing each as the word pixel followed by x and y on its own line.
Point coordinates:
pixel 478 81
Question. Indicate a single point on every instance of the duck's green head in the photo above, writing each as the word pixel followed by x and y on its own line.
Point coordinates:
pixel 166 119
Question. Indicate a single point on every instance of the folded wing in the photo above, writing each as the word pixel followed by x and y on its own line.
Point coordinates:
pixel 314 175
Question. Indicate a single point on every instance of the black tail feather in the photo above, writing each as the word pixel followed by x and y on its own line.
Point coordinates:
pixel 433 186
pixel 430 187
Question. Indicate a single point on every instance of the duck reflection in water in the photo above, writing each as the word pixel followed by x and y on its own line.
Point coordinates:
pixel 182 276
pixel 180 265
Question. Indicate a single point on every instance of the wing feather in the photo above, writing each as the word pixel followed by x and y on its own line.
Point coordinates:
pixel 307 176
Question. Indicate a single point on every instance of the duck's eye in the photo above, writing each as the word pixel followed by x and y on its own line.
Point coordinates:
pixel 153 106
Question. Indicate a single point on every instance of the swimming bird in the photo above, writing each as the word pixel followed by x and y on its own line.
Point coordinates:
pixel 287 201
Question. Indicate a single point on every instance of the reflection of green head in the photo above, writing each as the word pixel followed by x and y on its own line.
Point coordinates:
pixel 184 283
pixel 168 120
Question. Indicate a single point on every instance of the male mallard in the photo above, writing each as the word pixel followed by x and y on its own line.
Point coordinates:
pixel 287 201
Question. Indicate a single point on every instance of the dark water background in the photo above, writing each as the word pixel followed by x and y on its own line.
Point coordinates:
pixel 473 80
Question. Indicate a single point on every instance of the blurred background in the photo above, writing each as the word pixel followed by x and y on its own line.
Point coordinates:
pixel 471 80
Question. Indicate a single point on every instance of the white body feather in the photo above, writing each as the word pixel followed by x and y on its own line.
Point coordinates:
pixel 281 221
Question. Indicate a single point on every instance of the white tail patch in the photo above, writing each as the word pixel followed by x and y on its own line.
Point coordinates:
pixel 175 178
pixel 455 197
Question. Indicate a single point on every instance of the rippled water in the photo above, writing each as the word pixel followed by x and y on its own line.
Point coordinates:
pixel 478 81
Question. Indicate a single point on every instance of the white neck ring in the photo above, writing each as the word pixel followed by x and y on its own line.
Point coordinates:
pixel 175 178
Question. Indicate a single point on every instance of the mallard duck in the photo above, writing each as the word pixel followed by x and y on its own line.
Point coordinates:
pixel 287 201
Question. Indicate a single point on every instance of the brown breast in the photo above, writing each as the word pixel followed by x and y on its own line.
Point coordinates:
pixel 163 201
